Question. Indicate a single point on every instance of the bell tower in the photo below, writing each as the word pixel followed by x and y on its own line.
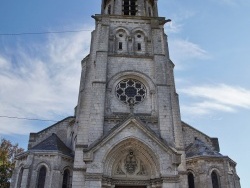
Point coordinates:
pixel 130 7
pixel 128 75
pixel 127 130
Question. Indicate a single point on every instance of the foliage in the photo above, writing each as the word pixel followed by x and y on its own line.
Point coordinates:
pixel 7 163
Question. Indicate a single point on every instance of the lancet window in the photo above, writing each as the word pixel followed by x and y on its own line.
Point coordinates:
pixel 66 179
pixel 191 180
pixel 215 180
pixel 41 177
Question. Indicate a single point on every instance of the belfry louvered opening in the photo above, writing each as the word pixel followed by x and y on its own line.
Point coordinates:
pixel 129 7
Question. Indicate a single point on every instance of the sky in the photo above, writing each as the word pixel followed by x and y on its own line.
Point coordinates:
pixel 209 44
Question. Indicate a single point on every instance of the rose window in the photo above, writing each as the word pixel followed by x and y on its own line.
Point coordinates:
pixel 131 91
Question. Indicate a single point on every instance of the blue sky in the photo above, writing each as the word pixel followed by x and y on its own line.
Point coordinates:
pixel 208 40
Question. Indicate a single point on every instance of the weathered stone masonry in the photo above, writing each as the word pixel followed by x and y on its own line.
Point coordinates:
pixel 127 129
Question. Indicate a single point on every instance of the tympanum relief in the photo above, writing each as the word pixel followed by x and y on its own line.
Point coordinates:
pixel 130 165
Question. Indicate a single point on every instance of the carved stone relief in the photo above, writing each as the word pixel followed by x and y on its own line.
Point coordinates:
pixel 131 165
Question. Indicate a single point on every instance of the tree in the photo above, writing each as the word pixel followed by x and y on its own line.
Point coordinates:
pixel 7 162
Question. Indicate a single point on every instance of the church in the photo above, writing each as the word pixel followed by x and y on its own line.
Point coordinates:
pixel 126 131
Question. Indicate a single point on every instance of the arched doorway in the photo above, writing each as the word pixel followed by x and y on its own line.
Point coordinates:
pixel 131 164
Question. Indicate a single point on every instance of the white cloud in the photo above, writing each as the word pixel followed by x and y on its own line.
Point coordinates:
pixel 173 27
pixel 183 50
pixel 42 82
pixel 178 20
pixel 4 63
pixel 214 98
pixel 204 108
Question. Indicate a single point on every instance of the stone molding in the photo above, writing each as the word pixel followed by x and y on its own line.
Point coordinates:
pixel 79 169
pixel 127 182
pixel 93 177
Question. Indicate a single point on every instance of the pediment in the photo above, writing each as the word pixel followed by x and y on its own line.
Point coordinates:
pixel 132 127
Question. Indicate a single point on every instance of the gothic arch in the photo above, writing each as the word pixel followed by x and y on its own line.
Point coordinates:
pixel 39 165
pixel 116 156
pixel 42 176
pixel 139 30
pixel 140 41
pixel 131 74
pixel 216 169
pixel 191 179
pixel 66 177
pixel 63 168
pixel 116 30
pixel 121 40
pixel 215 178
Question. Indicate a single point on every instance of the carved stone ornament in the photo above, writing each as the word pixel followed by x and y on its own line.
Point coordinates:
pixel 119 170
pixel 131 163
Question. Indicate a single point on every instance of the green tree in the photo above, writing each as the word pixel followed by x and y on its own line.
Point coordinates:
pixel 7 162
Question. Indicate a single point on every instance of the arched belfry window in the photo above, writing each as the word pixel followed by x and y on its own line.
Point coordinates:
pixel 66 179
pixel 41 177
pixel 215 180
pixel 129 7
pixel 191 180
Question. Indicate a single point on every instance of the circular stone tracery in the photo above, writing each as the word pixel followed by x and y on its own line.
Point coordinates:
pixel 131 90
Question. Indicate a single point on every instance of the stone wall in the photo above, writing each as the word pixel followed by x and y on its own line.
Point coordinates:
pixel 62 129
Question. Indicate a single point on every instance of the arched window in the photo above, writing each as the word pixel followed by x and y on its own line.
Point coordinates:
pixel 191 180
pixel 129 7
pixel 66 179
pixel 215 180
pixel 121 42
pixel 20 176
pixel 139 46
pixel 41 177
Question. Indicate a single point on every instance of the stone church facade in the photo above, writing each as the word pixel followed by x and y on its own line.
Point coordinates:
pixel 127 130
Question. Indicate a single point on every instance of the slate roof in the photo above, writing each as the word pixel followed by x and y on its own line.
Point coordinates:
pixel 52 143
pixel 199 148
